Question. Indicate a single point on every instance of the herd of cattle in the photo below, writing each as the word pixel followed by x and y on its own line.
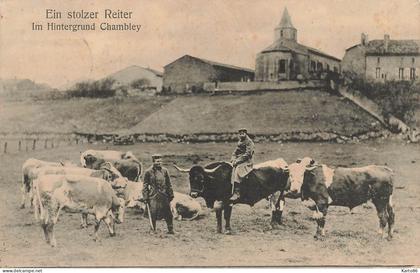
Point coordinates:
pixel 107 182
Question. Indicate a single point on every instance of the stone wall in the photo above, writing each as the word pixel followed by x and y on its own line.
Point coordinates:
pixel 237 87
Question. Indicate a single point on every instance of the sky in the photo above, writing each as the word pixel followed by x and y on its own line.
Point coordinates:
pixel 231 32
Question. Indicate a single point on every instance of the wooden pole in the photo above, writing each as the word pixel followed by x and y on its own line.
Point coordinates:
pixel 34 144
pixel 5 147
pixel 20 145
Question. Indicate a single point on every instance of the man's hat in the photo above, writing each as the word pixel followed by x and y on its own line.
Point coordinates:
pixel 243 130
pixel 156 156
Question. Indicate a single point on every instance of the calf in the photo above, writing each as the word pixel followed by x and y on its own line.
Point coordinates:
pixel 87 195
pixel 350 187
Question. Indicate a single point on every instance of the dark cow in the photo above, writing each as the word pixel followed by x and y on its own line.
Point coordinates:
pixel 213 183
pixel 349 187
pixel 130 168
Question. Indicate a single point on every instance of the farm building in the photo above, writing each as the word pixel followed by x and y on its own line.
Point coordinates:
pixel 137 77
pixel 188 74
pixel 286 59
pixel 382 60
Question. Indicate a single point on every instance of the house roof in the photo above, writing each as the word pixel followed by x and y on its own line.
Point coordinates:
pixel 289 46
pixel 395 47
pixel 213 63
pixel 157 73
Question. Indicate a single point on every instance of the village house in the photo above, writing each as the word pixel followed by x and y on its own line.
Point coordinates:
pixel 385 59
pixel 189 74
pixel 286 59
pixel 137 78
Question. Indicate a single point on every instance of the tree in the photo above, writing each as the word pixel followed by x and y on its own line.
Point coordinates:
pixel 140 83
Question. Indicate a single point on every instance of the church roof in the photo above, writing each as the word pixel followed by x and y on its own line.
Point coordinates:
pixel 286 21
pixel 292 46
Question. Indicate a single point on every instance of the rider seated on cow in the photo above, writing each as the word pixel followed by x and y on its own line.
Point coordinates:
pixel 242 162
pixel 158 193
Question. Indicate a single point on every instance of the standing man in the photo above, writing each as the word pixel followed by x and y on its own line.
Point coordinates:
pixel 158 193
pixel 242 162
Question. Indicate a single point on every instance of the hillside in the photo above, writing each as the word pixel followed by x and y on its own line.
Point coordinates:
pixel 268 113
pixel 81 115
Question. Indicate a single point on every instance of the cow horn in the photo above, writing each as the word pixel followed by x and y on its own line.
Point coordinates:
pixel 181 170
pixel 311 168
pixel 211 170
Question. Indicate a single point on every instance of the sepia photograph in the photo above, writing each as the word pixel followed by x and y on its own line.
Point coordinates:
pixel 209 134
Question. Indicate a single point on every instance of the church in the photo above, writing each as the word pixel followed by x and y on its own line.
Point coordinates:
pixel 286 59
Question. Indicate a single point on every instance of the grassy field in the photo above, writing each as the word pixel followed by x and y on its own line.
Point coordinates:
pixel 266 113
pixel 351 238
pixel 80 115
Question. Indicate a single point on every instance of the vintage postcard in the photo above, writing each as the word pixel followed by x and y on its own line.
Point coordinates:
pixel 181 133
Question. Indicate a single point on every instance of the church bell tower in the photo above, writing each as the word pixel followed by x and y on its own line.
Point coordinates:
pixel 285 29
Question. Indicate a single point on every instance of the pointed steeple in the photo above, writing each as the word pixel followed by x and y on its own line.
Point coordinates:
pixel 286 21
pixel 285 29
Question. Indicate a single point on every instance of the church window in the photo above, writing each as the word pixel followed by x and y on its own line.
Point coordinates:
pixel 401 73
pixel 319 66
pixel 281 33
pixel 313 65
pixel 412 73
pixel 282 66
pixel 378 60
pixel 413 60
pixel 378 72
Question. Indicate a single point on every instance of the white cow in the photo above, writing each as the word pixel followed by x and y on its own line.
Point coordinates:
pixel 28 175
pixel 107 172
pixel 77 193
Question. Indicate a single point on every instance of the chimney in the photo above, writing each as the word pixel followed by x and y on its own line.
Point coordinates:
pixel 386 42
pixel 364 39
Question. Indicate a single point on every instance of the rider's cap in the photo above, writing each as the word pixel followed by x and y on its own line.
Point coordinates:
pixel 156 156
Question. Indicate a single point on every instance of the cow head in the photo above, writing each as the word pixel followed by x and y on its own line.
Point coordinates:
pixel 198 177
pixel 314 186
pixel 296 173
pixel 118 210
pixel 113 175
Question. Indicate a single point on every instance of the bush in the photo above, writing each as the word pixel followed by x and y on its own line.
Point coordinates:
pixel 97 89
pixel 140 83
pixel 397 98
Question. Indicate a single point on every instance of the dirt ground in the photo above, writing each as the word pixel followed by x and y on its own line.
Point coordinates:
pixel 351 238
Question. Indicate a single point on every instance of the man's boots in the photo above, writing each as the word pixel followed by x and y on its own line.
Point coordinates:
pixel 236 193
